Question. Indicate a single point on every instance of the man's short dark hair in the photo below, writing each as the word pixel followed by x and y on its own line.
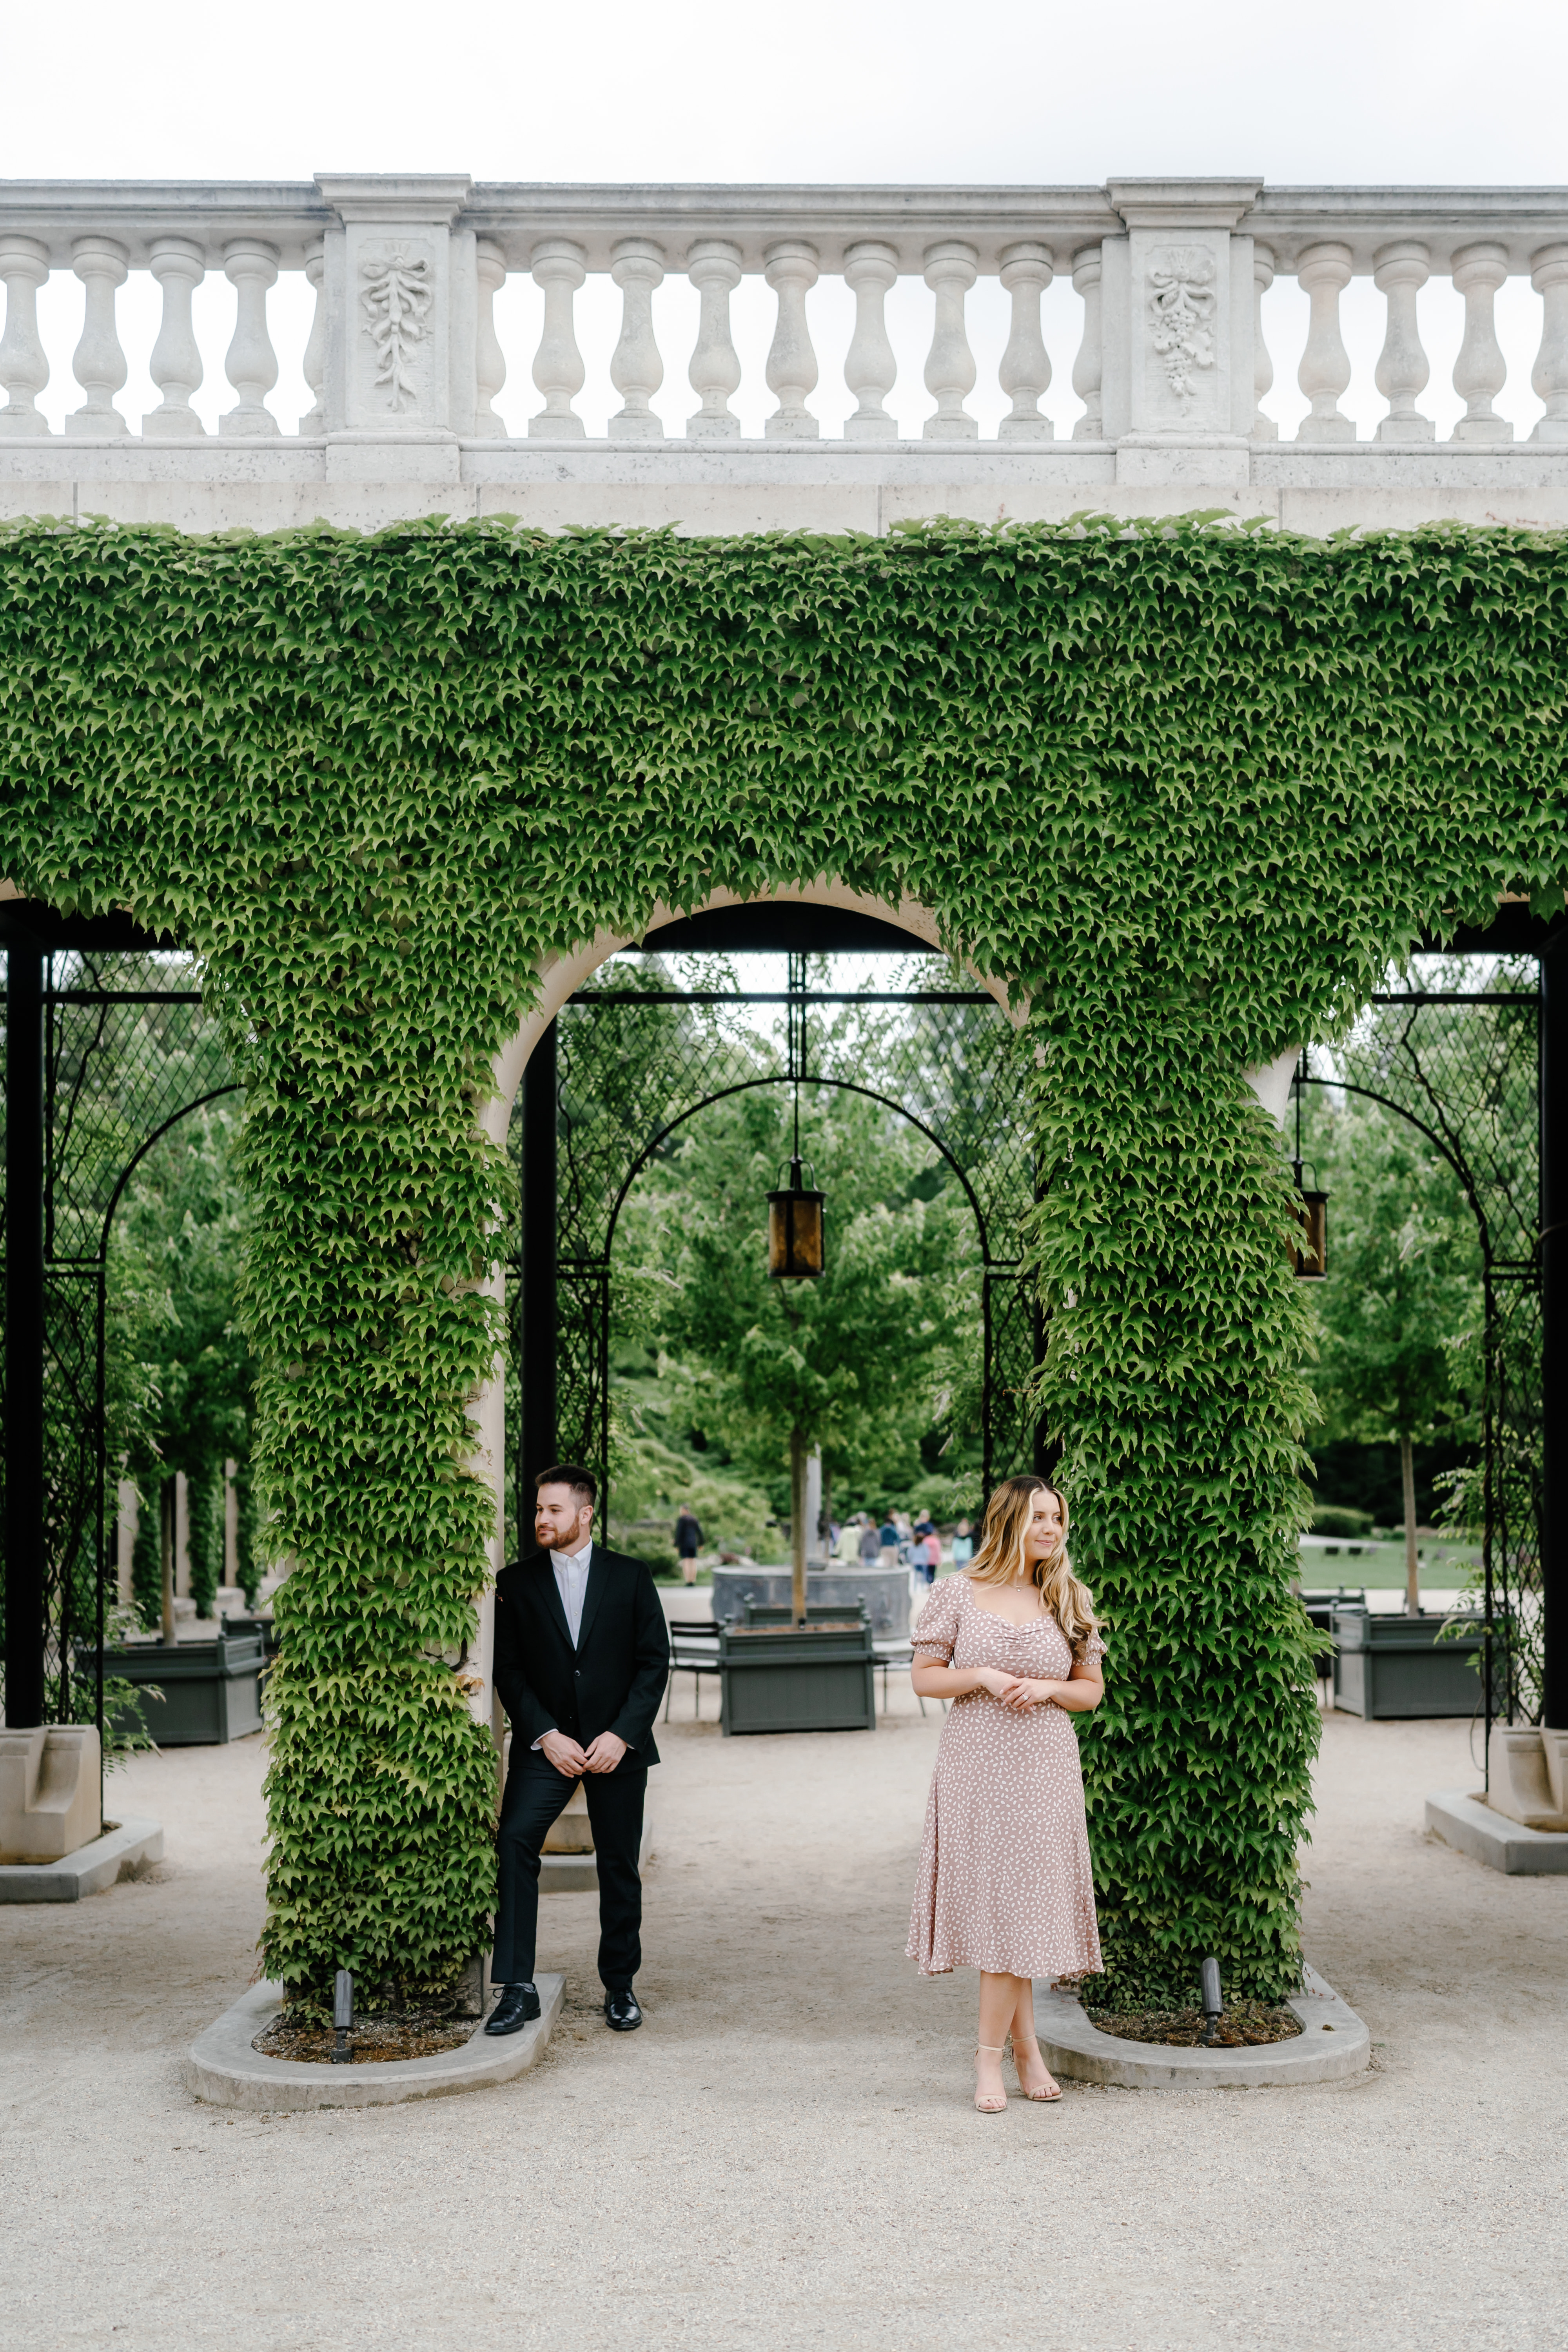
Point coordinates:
pixel 570 1473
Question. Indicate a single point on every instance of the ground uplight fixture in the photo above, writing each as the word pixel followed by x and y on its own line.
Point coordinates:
pixel 1310 1254
pixel 343 2017
pixel 1213 1998
pixel 796 1237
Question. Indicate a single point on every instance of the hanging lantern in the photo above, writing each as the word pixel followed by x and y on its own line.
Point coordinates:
pixel 795 1238
pixel 1310 1256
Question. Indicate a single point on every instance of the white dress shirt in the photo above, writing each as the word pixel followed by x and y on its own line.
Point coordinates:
pixel 572 1582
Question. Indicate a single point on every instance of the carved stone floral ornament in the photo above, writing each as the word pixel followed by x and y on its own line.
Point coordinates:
pixel 1181 311
pixel 396 296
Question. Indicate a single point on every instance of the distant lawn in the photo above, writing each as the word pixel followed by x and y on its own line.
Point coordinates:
pixel 1444 1567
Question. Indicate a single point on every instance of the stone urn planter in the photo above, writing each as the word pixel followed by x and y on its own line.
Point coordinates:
pixel 797 1679
pixel 1392 1666
pixel 212 1690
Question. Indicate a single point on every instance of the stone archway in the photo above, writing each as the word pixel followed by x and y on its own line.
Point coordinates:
pixel 565 974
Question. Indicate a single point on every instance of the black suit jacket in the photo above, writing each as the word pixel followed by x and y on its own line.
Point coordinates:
pixel 613 1679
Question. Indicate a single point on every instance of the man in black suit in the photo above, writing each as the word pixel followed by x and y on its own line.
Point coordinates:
pixel 582 1657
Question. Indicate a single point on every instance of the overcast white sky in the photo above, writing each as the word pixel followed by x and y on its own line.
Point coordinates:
pixel 1025 90
pixel 1021 90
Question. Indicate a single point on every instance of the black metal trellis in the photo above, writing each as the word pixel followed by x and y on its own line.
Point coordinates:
pixel 1463 1067
pixel 108 1046
pixel 626 1067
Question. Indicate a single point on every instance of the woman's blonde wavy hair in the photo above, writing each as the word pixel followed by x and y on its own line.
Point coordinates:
pixel 999 1558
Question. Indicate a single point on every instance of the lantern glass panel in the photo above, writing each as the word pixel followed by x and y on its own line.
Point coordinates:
pixel 1310 1256
pixel 796 1236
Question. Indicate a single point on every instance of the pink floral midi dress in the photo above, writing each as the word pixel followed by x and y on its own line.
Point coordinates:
pixel 1005 1880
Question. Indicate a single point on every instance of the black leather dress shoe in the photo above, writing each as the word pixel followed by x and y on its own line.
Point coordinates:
pixel 517 2007
pixel 622 2014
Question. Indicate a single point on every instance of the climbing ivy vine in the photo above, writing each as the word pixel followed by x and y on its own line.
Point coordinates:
pixel 1186 787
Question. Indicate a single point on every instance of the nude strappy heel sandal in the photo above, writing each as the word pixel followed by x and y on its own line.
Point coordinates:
pixel 990 2102
pixel 1041 2098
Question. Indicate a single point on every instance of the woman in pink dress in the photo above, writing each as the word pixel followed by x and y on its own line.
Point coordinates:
pixel 1005 1885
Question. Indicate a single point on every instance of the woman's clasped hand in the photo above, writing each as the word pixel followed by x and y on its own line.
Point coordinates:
pixel 1015 1690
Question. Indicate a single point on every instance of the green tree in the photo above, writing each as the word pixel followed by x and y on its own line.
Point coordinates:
pixel 1400 1315
pixel 175 1260
pixel 861 1362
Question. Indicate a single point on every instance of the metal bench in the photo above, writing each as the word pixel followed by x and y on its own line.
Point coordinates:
pixel 694 1650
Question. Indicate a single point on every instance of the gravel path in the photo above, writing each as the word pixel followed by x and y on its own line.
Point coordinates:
pixel 786 2156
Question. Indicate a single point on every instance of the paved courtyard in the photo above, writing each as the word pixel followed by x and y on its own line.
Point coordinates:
pixel 785 2155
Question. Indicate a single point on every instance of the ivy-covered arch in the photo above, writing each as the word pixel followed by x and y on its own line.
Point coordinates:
pixel 1187 788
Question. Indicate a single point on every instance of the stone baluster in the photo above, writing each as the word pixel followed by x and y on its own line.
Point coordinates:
pixel 870 370
pixel 636 370
pixel 489 360
pixel 313 366
pixel 24 366
pixel 1480 371
pixel 1399 272
pixel 790 269
pixel 1549 377
pixel 714 267
pixel 1086 368
pixel 1325 369
pixel 1026 370
pixel 250 363
pixel 1263 428
pixel 175 367
pixel 558 267
pixel 951 270
pixel 98 362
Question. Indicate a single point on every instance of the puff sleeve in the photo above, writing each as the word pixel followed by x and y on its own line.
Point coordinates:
pixel 936 1628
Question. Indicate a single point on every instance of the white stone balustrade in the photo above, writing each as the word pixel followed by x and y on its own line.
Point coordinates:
pixel 1480 373
pixel 175 366
pixel 1024 374
pixel 790 269
pixel 713 266
pixel 949 372
pixel 636 370
pixel 1177 292
pixel 1399 272
pixel 870 369
pixel 24 366
pixel 98 362
pixel 557 268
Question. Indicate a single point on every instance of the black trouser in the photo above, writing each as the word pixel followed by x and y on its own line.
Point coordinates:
pixel 536 1793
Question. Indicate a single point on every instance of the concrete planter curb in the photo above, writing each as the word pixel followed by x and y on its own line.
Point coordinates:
pixel 1334 2043
pixel 222 2068
pixel 1472 1828
pixel 122 1851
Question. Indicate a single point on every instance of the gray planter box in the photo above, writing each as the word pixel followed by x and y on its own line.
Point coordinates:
pixel 1395 1666
pixel 212 1690
pixel 794 1678
pixel 885 1591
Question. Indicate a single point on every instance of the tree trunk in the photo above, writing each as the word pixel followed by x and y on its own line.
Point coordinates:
pixel 797 1525
pixel 1412 1566
pixel 166 1556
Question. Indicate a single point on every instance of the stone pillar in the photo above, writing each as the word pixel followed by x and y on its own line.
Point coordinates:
pixel 128 1519
pixel 1554 1332
pixel 230 1523
pixel 401 301
pixel 181 1536
pixel 1177 325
